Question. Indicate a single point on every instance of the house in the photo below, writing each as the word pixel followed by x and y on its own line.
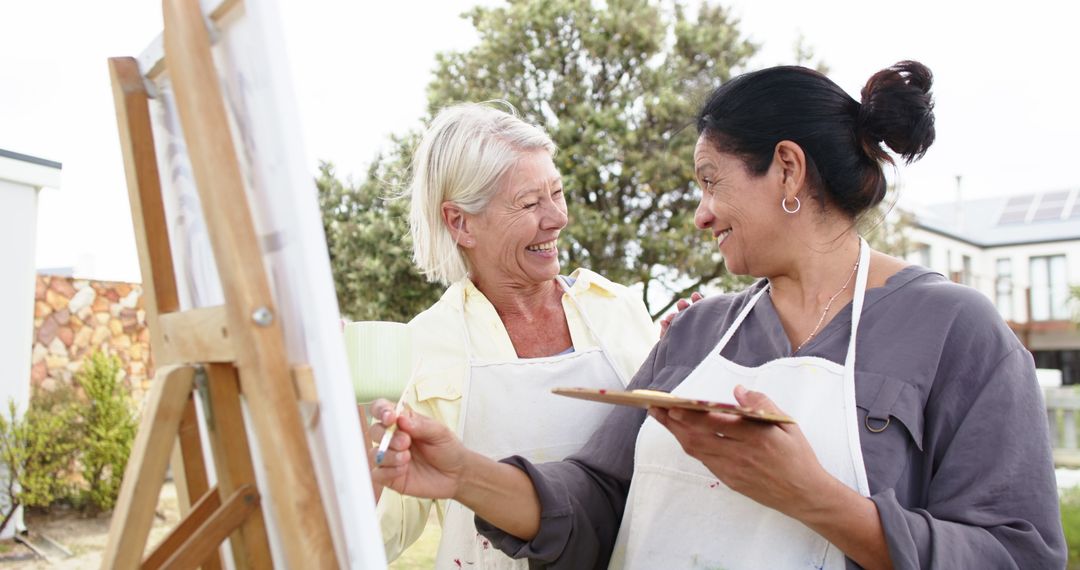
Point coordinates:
pixel 21 177
pixel 1023 253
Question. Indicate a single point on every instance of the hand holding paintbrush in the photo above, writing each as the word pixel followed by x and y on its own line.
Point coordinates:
pixel 385 421
pixel 422 458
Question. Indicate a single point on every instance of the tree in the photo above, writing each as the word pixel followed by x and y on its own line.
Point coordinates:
pixel 368 240
pixel 886 227
pixel 804 55
pixel 616 86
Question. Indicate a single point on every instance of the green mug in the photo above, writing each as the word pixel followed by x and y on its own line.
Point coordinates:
pixel 380 358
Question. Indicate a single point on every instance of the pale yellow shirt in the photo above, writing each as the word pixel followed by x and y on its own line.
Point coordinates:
pixel 619 318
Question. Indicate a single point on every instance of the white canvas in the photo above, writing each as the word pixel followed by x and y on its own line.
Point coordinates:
pixel 251 61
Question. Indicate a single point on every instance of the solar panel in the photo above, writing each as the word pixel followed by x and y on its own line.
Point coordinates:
pixel 1057 197
pixel 1044 213
pixel 1013 217
pixel 1016 209
pixel 1017 202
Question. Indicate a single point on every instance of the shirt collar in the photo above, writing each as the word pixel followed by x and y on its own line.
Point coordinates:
pixel 583 279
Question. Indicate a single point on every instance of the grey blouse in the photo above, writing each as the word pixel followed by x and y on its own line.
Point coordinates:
pixel 962 476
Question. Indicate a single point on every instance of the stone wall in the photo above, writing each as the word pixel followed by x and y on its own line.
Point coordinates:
pixel 73 317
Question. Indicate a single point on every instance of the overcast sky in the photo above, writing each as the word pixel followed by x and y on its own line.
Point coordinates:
pixel 1006 86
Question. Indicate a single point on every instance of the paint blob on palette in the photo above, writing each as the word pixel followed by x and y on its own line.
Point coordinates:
pixel 657 399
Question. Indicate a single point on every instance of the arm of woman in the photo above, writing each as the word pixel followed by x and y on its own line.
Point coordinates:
pixel 564 514
pixel 426 460
pixel 581 500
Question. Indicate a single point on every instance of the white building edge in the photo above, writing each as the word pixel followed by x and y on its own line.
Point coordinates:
pixel 1023 253
pixel 21 177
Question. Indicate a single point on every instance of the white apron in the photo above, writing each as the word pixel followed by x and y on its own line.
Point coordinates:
pixel 508 409
pixel 679 515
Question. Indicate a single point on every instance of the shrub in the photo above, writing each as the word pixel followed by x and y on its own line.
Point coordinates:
pixel 61 436
pixel 109 425
pixel 38 450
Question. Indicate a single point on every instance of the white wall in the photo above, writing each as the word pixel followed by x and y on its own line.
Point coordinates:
pixel 18 221
pixel 947 255
pixel 984 263
pixel 20 180
pixel 18 225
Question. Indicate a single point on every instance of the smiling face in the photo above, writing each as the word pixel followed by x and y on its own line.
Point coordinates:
pixel 516 234
pixel 741 210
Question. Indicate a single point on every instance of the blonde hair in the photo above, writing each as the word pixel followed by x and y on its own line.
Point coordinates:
pixel 460 159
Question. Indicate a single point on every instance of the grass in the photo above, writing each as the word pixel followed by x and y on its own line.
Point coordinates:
pixel 421 555
pixel 1070 520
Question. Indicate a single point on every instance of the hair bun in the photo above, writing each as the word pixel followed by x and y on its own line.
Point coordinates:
pixel 897 109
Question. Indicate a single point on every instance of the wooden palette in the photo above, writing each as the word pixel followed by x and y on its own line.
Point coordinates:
pixel 654 398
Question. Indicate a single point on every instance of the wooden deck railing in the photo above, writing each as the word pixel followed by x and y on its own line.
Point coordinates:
pixel 1062 407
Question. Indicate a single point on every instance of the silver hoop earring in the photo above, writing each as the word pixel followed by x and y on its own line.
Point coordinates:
pixel 783 204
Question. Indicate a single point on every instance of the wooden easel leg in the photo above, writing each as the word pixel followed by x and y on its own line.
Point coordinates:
pixel 184 500
pixel 200 512
pixel 209 536
pixel 232 457
pixel 145 471
pixel 189 467
pixel 192 470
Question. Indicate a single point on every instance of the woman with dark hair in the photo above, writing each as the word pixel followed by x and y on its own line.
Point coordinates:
pixel 920 439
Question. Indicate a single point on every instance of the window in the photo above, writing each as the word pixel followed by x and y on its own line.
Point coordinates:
pixel 966 278
pixel 1049 289
pixel 1067 361
pixel 1003 288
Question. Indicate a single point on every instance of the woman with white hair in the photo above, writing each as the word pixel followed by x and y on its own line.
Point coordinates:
pixel 488 206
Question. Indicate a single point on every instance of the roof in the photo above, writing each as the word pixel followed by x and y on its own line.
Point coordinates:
pixel 30 159
pixel 1006 220
pixel 26 170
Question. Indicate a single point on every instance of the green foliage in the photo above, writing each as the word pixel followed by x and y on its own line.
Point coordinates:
pixel 109 422
pixel 61 437
pixel 38 448
pixel 886 227
pixel 804 56
pixel 370 249
pixel 1070 521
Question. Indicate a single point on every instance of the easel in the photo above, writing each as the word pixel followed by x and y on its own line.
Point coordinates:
pixel 216 353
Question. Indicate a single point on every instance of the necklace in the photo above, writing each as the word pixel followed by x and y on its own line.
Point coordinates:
pixel 828 306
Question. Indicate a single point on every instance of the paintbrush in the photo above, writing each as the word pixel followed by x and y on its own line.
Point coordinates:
pixel 384 443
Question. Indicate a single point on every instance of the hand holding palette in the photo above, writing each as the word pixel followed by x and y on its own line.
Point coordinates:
pixel 653 398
